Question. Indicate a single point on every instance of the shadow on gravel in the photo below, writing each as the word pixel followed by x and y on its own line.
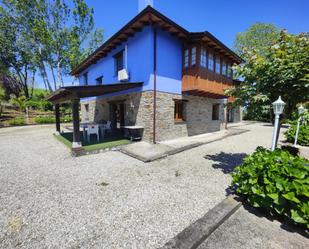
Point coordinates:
pixel 226 161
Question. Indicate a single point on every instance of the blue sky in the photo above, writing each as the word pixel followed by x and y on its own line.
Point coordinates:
pixel 223 18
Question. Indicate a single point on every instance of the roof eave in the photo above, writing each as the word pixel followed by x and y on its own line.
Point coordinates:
pixel 148 10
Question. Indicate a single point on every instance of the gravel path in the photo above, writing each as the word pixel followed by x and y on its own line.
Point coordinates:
pixel 50 200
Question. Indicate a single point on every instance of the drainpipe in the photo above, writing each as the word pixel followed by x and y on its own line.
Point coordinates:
pixel 154 83
pixel 126 56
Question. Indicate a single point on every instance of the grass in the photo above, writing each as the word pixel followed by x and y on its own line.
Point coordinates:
pixel 109 142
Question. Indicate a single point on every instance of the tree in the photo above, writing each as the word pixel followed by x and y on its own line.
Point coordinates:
pixel 45 36
pixel 21 103
pixel 259 37
pixel 15 52
pixel 283 70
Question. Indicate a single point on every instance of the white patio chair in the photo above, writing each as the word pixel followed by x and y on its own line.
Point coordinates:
pixel 93 129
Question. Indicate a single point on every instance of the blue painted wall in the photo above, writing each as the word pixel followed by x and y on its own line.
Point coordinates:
pixel 140 59
pixel 169 63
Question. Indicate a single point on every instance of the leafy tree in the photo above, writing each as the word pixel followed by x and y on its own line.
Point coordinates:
pixel 258 37
pixel 45 35
pixel 282 70
pixel 20 102
pixel 15 52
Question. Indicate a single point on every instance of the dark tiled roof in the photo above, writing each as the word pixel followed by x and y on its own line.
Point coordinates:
pixel 150 16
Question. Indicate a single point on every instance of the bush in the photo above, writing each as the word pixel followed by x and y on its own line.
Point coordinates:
pixel 276 182
pixel 303 134
pixel 17 122
pixel 51 119
pixel 66 119
pixel 44 120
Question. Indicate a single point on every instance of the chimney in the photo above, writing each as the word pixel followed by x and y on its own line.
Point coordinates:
pixel 142 4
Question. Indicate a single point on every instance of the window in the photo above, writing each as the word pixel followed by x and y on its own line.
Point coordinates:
pixel 85 79
pixel 193 56
pixel 99 80
pixel 179 111
pixel 224 68
pixel 210 62
pixel 215 111
pixel 218 66
pixel 230 71
pixel 118 62
pixel 186 59
pixel 204 58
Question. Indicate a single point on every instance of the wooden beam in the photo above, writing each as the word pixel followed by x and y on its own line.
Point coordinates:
pixel 129 34
pixel 137 29
pixel 76 129
pixel 57 117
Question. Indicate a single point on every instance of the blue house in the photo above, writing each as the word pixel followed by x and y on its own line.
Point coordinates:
pixel 157 75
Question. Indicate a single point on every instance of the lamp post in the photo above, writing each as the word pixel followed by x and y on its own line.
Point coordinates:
pixel 278 107
pixel 301 110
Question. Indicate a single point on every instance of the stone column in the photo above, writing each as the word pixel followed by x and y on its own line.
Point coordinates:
pixel 76 126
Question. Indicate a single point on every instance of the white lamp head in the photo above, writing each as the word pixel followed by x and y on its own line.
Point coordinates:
pixel 301 109
pixel 278 106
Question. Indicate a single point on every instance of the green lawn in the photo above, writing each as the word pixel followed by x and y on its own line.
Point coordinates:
pixel 109 142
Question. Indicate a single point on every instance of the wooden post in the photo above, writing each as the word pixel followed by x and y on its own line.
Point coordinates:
pixel 57 116
pixel 76 132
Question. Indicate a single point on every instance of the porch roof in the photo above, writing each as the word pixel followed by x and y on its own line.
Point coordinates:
pixel 67 93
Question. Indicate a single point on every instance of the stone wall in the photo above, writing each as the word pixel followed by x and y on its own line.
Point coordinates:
pixel 139 111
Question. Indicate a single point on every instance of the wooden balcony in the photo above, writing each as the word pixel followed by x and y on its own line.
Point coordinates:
pixel 199 86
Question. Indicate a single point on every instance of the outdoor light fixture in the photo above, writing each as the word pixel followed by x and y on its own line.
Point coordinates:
pixel 301 110
pixel 278 107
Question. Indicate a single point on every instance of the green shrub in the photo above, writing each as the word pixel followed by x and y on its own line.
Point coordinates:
pixel 66 119
pixel 51 119
pixel 44 120
pixel 276 182
pixel 17 122
pixel 303 134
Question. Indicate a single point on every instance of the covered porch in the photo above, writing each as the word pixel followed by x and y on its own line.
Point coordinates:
pixel 74 94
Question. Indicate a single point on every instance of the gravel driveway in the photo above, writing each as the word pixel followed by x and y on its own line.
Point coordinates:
pixel 50 200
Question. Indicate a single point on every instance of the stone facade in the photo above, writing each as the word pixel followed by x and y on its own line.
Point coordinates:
pixel 138 110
